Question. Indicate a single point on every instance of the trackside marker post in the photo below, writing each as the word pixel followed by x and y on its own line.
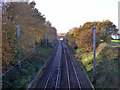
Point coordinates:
pixel 18 36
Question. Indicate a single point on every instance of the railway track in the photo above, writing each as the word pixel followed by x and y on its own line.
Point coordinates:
pixel 51 75
pixel 72 77
pixel 62 73
pixel 53 80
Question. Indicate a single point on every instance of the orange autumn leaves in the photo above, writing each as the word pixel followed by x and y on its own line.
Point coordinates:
pixel 33 26
pixel 85 41
pixel 83 36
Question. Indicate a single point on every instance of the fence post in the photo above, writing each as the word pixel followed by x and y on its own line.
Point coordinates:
pixel 18 36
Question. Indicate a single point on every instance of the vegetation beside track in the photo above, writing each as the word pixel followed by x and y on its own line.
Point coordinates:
pixel 107 62
pixel 33 29
pixel 30 66
pixel 107 57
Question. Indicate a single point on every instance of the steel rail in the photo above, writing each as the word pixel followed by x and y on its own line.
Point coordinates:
pixel 51 73
pixel 73 68
pixel 68 77
pixel 58 74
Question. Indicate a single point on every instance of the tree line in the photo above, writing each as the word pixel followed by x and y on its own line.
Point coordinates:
pixel 82 37
pixel 33 27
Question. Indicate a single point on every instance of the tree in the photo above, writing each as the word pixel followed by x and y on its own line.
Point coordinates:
pixel 32 29
pixel 83 36
pixel 107 28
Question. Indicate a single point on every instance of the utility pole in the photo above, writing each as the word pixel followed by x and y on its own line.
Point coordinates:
pixel 18 36
pixel 94 27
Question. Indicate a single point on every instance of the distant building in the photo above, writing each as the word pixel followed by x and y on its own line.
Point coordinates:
pixel 61 36
pixel 116 36
pixel 119 17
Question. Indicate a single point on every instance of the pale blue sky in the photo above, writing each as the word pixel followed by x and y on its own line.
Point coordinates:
pixel 66 14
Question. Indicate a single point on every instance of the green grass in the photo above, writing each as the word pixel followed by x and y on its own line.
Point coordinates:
pixel 113 43
pixel 21 78
pixel 101 40
pixel 106 65
pixel 116 41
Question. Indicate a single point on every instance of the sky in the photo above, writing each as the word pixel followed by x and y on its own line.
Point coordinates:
pixel 67 14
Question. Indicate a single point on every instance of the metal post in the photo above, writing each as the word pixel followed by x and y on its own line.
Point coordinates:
pixel 33 46
pixel 74 40
pixel 33 43
pixel 94 51
pixel 18 35
pixel 46 38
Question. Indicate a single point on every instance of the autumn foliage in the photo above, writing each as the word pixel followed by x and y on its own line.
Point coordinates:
pixel 86 40
pixel 33 27
pixel 82 37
